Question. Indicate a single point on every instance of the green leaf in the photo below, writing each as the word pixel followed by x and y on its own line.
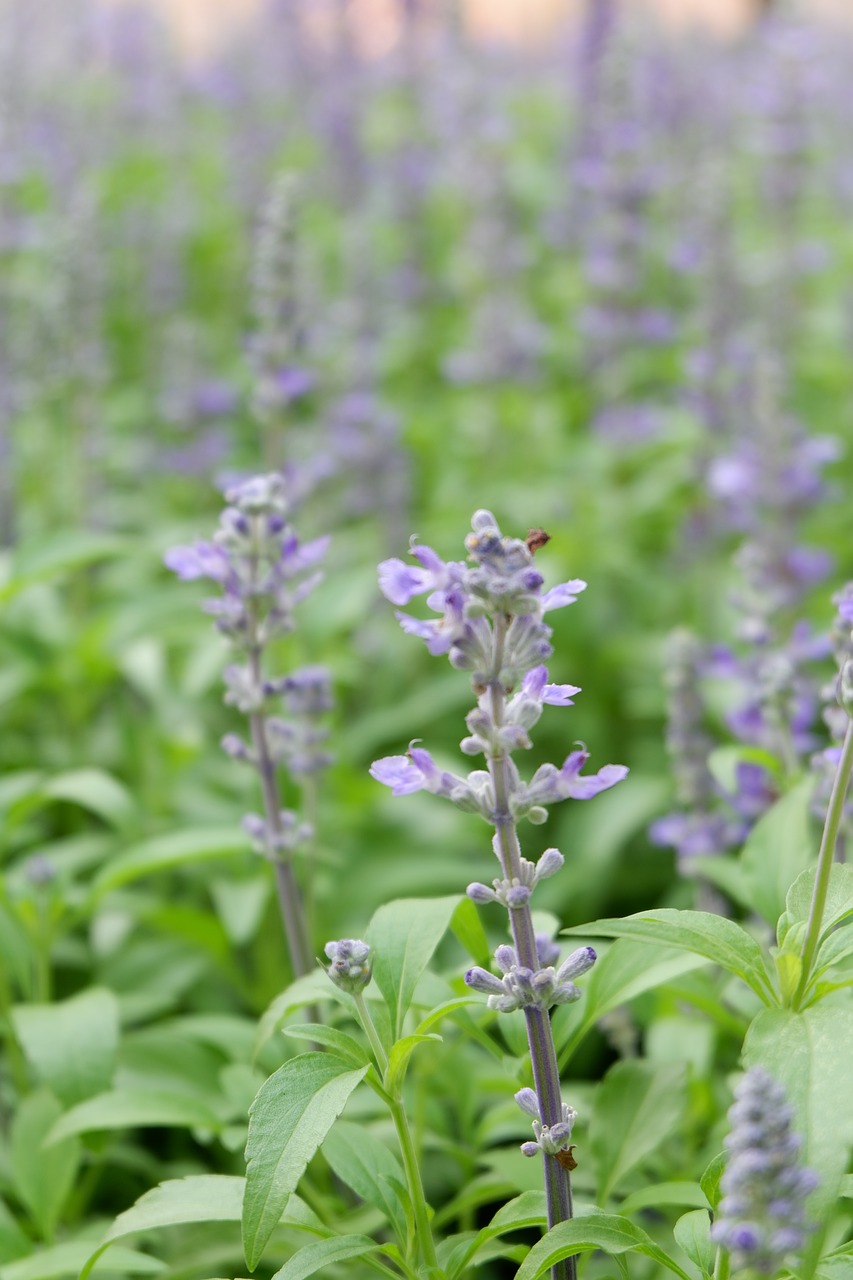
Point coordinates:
pixel 700 932
pixel 134 1109
pixel 99 792
pixel 468 930
pixel 288 1121
pixel 809 1053
pixel 72 1044
pixel 203 1198
pixel 17 953
pixel 636 1108
pixel 344 1045
pixel 67 1260
pixel 404 934
pixel 179 848
pixel 309 990
pixel 373 1172
pixel 613 1234
pixel 441 1011
pixel 779 847
pixel 323 1253
pixel 43 1178
pixel 692 1234
pixel 688 1194
pixel 64 552
pixel 527 1210
pixel 627 969
pixel 710 1180
pixel 398 1060
pixel 839 898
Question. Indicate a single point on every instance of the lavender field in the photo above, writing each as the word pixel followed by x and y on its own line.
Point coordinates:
pixel 352 405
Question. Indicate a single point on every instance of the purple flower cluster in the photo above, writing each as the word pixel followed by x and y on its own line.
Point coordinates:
pixel 264 571
pixel 761 1218
pixel 491 623
pixel 523 988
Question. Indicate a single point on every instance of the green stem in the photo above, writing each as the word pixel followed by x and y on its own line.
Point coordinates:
pixel 723 1265
pixel 425 1241
pixel 825 859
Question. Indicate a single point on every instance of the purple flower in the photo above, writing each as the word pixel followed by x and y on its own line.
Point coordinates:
pixel 550 784
pixel 761 1217
pixel 201 560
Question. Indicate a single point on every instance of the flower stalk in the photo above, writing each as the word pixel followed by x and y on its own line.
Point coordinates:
pixel 261 567
pixel 492 625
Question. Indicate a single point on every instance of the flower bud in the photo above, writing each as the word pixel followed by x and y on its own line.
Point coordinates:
pixel 352 964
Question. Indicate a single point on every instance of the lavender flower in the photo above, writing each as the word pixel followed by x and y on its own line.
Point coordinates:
pixel 264 572
pixel 491 623
pixel 761 1218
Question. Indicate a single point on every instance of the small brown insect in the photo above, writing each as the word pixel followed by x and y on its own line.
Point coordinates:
pixel 536 539
pixel 566 1159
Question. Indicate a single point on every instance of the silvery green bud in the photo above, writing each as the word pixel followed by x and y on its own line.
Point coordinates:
pixel 352 964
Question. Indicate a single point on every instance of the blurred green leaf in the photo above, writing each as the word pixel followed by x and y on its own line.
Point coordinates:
pixel 134 1109
pixel 781 845
pixel 202 1198
pixel 637 1107
pixel 71 1044
pixel 164 853
pixel 43 1176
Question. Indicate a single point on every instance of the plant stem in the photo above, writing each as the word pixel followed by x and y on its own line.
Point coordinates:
pixel 543 1056
pixel 825 859
pixel 289 897
pixel 425 1241
pixel 721 1270
pixel 292 915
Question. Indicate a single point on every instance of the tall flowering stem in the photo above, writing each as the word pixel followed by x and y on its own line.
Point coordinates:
pixel 264 571
pixel 492 625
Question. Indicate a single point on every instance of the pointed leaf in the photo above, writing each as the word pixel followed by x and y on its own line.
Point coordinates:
pixel 372 1171
pixel 404 934
pixel 636 1109
pixel 71 1044
pixel 839 898
pixel 177 849
pixel 700 932
pixel 780 845
pixel 613 1234
pixel 527 1210
pixel 692 1234
pixel 134 1109
pixel 97 791
pixel 203 1198
pixel 398 1060
pixel 323 1253
pixel 288 1121
pixel 66 1260
pixel 43 1178
pixel 627 969
pixel 344 1045
pixel 688 1194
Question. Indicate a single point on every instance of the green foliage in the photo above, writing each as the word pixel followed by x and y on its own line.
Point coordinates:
pixel 288 1121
